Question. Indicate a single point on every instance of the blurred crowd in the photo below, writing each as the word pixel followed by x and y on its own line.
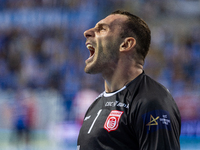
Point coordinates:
pixel 53 57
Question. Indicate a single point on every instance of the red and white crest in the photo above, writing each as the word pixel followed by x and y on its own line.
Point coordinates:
pixel 112 120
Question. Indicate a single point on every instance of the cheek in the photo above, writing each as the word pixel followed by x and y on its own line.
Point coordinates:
pixel 102 45
pixel 108 45
pixel 106 42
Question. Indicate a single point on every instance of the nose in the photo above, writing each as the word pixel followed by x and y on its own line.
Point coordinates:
pixel 89 33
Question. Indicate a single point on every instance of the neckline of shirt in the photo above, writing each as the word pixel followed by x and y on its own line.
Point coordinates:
pixel 113 93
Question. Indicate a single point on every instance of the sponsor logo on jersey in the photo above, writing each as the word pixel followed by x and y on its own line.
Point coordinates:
pixel 157 119
pixel 86 118
pixel 112 121
pixel 116 103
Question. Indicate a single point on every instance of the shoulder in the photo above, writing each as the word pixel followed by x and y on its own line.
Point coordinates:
pixel 148 95
pixel 152 90
pixel 153 85
pixel 147 89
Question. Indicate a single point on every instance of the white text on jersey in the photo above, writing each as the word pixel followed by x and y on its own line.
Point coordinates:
pixel 116 103
pixel 86 118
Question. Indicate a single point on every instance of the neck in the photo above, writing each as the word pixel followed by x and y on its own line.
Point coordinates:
pixel 121 76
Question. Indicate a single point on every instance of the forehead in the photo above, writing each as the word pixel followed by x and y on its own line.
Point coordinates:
pixel 114 19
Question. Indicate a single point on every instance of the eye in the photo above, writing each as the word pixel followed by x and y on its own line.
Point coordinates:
pixel 101 28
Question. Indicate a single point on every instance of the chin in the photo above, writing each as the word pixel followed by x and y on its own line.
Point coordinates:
pixel 87 70
pixel 91 70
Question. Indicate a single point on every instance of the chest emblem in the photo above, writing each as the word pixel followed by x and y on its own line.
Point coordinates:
pixel 112 121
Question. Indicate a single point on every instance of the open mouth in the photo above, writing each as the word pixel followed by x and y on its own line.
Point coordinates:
pixel 91 49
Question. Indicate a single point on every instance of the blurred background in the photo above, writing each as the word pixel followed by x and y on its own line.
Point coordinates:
pixel 43 87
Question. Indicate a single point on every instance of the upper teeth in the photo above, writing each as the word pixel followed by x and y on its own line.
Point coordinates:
pixel 89 46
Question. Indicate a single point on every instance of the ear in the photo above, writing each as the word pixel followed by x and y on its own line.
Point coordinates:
pixel 128 44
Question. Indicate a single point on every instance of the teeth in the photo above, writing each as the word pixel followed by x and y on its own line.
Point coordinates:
pixel 90 47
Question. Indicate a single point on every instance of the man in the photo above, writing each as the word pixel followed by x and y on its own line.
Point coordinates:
pixel 134 112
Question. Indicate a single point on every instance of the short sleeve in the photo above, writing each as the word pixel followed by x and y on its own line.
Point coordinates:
pixel 156 123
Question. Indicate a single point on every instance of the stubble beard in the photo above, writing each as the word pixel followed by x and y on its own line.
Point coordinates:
pixel 102 63
pixel 94 67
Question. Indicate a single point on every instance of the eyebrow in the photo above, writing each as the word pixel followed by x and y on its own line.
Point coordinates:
pixel 101 24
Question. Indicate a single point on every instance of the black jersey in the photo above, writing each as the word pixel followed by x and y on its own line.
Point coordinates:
pixel 140 116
